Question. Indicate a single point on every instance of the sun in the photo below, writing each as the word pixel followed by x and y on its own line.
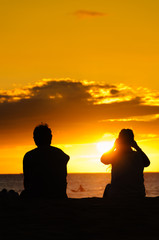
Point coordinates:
pixel 104 146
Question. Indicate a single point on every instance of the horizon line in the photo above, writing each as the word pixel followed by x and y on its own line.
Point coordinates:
pixel 74 173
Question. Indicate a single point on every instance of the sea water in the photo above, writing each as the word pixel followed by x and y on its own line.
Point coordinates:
pixel 83 185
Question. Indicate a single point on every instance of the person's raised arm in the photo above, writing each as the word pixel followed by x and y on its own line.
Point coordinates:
pixel 146 161
pixel 107 158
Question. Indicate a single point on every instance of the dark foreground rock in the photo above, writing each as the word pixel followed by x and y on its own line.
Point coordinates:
pixel 91 218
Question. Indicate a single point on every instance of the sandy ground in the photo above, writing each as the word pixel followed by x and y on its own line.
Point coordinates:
pixel 91 218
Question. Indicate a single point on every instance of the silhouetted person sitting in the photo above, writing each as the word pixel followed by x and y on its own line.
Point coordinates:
pixel 127 167
pixel 45 167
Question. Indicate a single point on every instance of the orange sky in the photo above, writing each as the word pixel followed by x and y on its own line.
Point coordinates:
pixel 88 68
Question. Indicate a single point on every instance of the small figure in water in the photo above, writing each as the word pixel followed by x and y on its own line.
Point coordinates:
pixel 45 167
pixel 127 178
pixel 80 189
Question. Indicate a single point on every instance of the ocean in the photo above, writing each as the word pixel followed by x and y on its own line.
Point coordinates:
pixel 83 185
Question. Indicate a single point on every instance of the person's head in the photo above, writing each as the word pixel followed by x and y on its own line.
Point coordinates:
pixel 42 135
pixel 126 137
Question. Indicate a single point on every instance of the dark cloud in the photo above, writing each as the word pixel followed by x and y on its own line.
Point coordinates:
pixel 4 96
pixel 66 89
pixel 114 91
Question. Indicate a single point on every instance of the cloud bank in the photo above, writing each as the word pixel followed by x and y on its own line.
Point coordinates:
pixel 78 107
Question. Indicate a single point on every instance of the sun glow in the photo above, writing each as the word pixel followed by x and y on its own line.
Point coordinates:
pixel 104 146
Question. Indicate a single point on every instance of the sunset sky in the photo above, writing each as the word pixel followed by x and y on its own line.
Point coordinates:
pixel 88 68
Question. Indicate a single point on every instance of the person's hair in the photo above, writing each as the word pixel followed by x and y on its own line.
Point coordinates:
pixel 126 136
pixel 42 135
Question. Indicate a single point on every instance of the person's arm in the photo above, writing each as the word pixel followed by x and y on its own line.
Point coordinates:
pixel 25 172
pixel 146 161
pixel 64 156
pixel 67 157
pixel 107 158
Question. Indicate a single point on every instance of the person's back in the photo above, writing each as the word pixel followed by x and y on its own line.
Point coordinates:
pixel 127 167
pixel 127 174
pixel 45 167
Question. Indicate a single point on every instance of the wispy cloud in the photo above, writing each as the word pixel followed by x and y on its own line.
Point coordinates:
pixel 89 14
pixel 120 92
pixel 144 118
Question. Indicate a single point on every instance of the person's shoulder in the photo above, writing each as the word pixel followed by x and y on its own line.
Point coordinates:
pixel 30 153
pixel 59 152
pixel 56 149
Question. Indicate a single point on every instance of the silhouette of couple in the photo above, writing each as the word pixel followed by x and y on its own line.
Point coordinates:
pixel 45 167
